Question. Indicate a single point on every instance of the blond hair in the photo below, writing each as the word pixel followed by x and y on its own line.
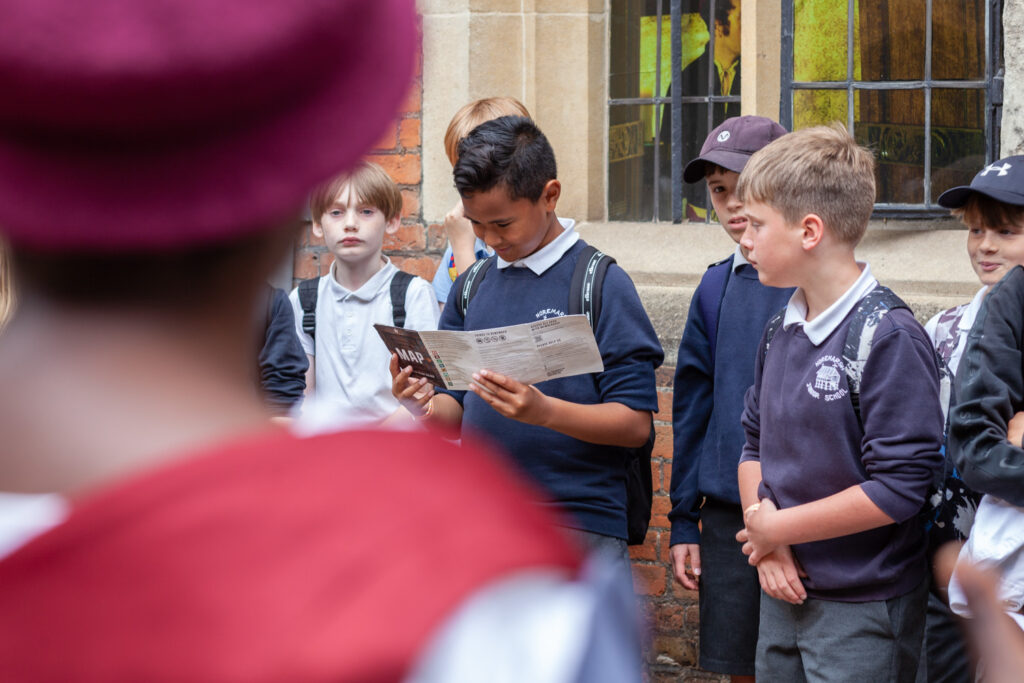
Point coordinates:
pixel 473 114
pixel 371 185
pixel 6 288
pixel 820 170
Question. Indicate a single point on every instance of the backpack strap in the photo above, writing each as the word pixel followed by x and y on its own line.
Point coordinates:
pixel 709 298
pixel 861 335
pixel 587 283
pixel 770 329
pixel 471 282
pixel 399 287
pixel 308 290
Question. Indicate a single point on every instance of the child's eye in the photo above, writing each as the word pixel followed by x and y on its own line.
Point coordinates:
pixel 335 212
pixel 717 188
pixel 367 212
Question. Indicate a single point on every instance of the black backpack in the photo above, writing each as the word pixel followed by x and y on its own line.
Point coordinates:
pixel 308 290
pixel 585 298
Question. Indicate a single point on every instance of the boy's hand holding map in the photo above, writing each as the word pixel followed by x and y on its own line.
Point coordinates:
pixel 529 353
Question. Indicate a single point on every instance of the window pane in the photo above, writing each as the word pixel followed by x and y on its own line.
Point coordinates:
pixel 817 107
pixel 624 59
pixel 958 40
pixel 958 138
pixel 695 129
pixel 819 40
pixel 891 40
pixel 630 163
pixel 891 122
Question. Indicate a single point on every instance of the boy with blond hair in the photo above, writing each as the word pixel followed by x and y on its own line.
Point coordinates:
pixel 837 461
pixel 464 248
pixel 335 314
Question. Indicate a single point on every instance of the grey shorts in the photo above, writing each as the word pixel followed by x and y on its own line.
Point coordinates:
pixel 730 593
pixel 842 642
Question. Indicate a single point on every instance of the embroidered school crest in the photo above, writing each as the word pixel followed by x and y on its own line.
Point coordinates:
pixel 827 379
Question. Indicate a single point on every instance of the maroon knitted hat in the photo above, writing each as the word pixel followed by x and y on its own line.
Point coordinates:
pixel 137 124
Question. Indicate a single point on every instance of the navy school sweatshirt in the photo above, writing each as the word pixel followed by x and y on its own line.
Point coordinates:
pixel 707 399
pixel 801 426
pixel 584 479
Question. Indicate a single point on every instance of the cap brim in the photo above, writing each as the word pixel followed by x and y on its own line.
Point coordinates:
pixel 957 197
pixel 730 161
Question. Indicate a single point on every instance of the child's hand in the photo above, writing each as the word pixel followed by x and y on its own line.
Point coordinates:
pixel 780 575
pixel 509 397
pixel 755 537
pixel 687 577
pixel 1015 429
pixel 459 230
pixel 413 394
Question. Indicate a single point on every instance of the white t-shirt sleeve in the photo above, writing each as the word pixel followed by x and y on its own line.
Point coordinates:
pixel 307 342
pixel 421 309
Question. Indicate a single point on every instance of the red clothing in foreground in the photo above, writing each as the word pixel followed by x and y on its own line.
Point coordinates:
pixel 270 559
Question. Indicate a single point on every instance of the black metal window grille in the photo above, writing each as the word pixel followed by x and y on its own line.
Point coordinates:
pixel 938 143
pixel 663 176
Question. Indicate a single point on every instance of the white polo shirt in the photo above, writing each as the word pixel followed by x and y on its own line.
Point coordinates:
pixel 351 362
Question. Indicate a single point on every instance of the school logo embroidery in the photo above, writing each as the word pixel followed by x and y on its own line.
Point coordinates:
pixel 548 313
pixel 1003 170
pixel 724 135
pixel 827 379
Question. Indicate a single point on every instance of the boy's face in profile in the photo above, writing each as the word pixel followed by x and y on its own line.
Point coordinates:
pixel 993 250
pixel 352 229
pixel 514 228
pixel 774 246
pixel 728 207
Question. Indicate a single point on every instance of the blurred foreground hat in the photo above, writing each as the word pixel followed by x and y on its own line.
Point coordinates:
pixel 1001 180
pixel 135 124
pixel 732 143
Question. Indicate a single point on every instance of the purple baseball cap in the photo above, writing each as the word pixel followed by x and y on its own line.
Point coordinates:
pixel 1001 180
pixel 732 143
pixel 141 124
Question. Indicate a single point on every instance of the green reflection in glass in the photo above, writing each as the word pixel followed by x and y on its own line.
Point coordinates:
pixel 819 40
pixel 818 107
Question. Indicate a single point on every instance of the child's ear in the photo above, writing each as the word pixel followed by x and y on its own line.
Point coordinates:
pixel 392 225
pixel 812 230
pixel 318 230
pixel 549 196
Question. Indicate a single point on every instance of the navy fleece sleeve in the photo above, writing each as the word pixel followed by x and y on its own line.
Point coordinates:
pixel 692 401
pixel 283 363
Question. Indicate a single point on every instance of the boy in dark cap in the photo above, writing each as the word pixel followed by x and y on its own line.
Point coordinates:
pixel 157 527
pixel 715 367
pixel 983 342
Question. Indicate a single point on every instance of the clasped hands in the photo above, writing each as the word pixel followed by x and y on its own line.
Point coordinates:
pixel 777 569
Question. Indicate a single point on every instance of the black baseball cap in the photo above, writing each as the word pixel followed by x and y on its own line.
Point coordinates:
pixel 732 143
pixel 1001 180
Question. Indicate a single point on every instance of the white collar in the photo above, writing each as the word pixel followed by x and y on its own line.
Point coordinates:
pixel 738 259
pixel 548 255
pixel 828 320
pixel 369 289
